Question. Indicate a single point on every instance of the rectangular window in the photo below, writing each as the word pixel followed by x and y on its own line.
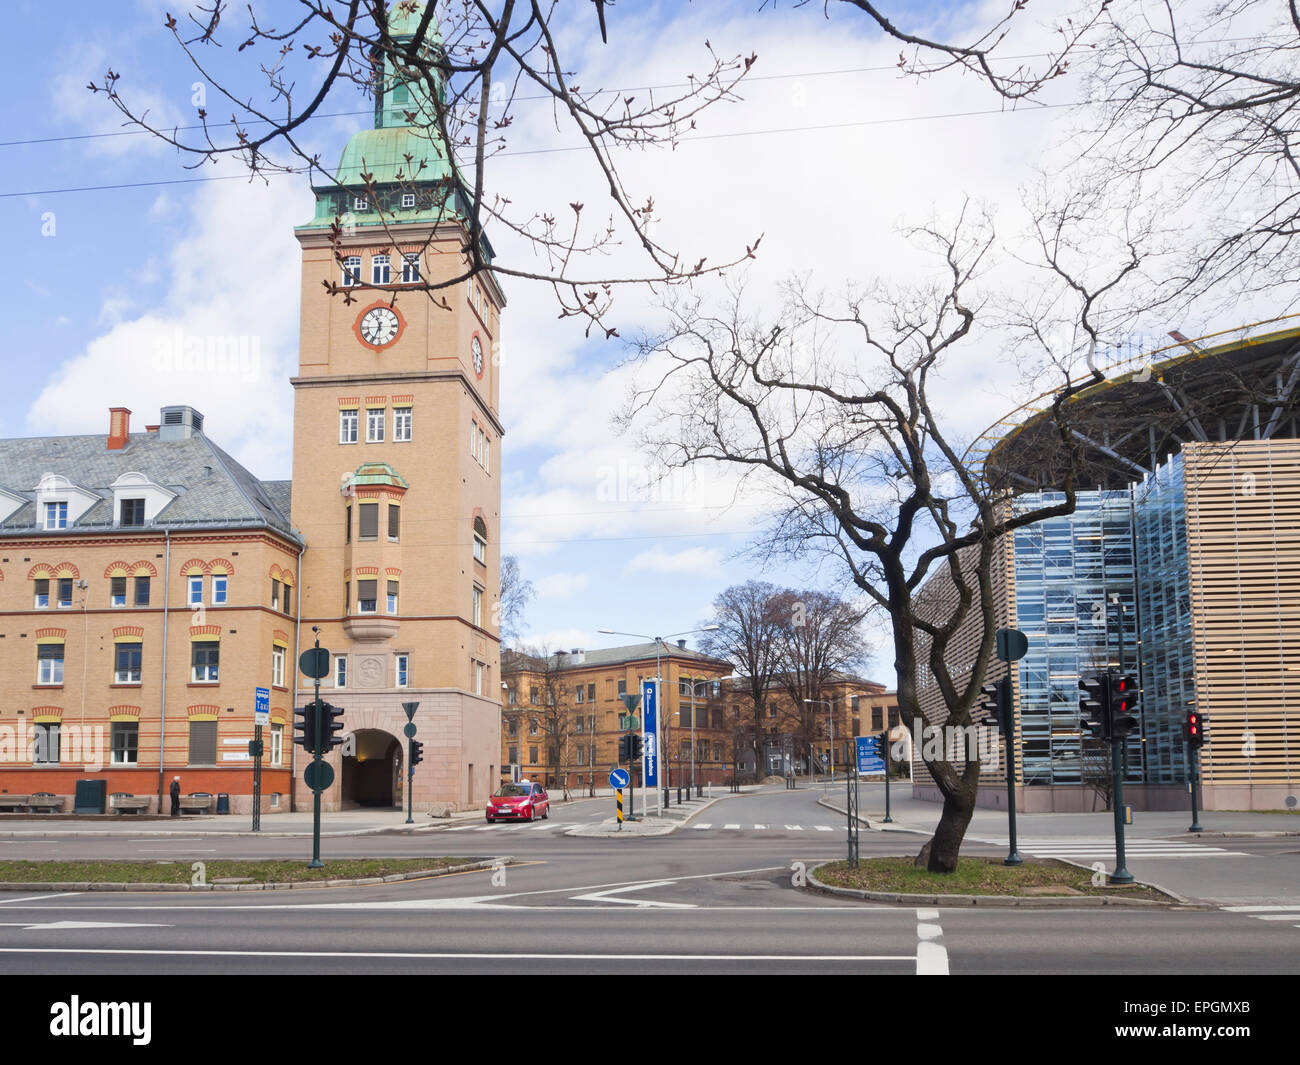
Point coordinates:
pixel 352 271
pixel 125 742
pixel 402 423
pixel 532 696
pixel 580 694
pixel 532 755
pixel 219 588
pixel 877 719
pixel 277 745
pixel 203 743
pixel 473 439
pixel 360 203
pixel 369 528
pixel 349 418
pixel 379 270
pixel 49 663
pixel 347 524
pixel 487 462
pixel 403 665
pixel 622 687
pixel 275 594
pixel 42 593
pixel 205 658
pixel 512 728
pixel 65 592
pixel 366 592
pixel 591 692
pixel 196 590
pixel 411 264
pixel 513 755
pixel 392 597
pixel 56 515
pixel 340 671
pixel 127 669
pixel 374 425
pixel 47 745
pixel 394 521
pixel 478 678
pixel 142 591
pixel 480 548
pixel 408 198
pixel 132 512
pixel 477 607
pixel 277 666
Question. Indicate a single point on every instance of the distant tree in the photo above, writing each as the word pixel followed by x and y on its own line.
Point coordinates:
pixel 555 710
pixel 516 593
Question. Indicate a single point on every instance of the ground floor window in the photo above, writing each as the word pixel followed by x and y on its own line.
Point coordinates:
pixel 203 743
pixel 125 742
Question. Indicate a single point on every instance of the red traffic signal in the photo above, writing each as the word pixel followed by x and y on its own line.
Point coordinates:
pixel 1123 702
pixel 1194 728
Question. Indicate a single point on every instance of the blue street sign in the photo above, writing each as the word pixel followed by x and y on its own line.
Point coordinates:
pixel 869 759
pixel 649 733
pixel 619 778
pixel 261 706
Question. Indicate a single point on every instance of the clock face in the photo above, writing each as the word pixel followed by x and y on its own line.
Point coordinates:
pixel 476 349
pixel 379 326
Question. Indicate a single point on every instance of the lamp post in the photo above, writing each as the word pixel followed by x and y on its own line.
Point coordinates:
pixel 830 717
pixel 659 642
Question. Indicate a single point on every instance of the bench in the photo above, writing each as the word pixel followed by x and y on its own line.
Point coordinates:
pixel 200 801
pixel 45 800
pixel 12 802
pixel 125 802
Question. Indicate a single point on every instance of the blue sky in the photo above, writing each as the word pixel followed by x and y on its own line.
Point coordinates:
pixel 94 279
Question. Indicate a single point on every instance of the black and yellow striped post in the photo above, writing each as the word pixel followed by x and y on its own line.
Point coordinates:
pixel 619 794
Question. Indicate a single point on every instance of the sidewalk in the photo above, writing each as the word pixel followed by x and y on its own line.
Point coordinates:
pixel 338 823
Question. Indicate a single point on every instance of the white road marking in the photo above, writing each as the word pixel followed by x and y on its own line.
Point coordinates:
pixel 63 925
pixel 760 828
pixel 607 896
pixel 731 828
pixel 931 954
pixel 701 826
pixel 41 898
pixel 794 828
pixel 824 828
pixel 457 956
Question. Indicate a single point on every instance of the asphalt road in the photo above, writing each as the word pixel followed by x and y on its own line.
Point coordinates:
pixel 715 900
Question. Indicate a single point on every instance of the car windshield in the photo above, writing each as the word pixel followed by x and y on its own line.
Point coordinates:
pixel 512 790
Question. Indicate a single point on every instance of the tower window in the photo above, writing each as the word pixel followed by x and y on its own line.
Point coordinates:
pixel 379 269
pixel 374 425
pixel 142 591
pixel 410 263
pixel 369 515
pixel 366 592
pixel 351 271
pixel 408 199
pixel 117 591
pixel 480 541
pixel 394 521
pixel 360 203
pixel 402 423
pixel 392 597
pixel 348 421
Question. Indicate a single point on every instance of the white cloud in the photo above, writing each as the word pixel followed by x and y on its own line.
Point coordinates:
pixel 560 585
pixel 705 561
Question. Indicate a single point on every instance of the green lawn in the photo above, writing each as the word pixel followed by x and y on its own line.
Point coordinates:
pixel 259 872
pixel 975 876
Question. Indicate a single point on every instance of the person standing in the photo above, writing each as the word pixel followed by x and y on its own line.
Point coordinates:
pixel 176 796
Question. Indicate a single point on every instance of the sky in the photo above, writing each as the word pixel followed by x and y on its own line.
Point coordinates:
pixel 118 255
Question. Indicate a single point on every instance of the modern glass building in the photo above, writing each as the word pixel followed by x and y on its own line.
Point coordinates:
pixel 1179 565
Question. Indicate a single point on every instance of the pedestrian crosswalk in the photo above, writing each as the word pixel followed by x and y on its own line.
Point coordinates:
pixel 702 826
pixel 524 827
pixel 1269 912
pixel 1102 848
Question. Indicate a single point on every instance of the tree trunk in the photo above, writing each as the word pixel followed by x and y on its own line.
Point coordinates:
pixel 958 807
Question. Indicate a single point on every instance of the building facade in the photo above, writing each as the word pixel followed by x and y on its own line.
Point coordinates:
pixel 384 547
pixel 1179 567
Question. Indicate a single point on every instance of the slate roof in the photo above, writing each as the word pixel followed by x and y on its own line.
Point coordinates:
pixel 212 489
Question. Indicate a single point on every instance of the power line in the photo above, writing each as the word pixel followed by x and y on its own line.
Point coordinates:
pixel 574 148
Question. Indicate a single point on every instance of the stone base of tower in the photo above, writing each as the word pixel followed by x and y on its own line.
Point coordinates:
pixel 462 748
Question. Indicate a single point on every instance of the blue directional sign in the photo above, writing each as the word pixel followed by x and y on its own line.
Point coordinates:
pixel 619 778
pixel 650 733
pixel 261 706
pixel 869 758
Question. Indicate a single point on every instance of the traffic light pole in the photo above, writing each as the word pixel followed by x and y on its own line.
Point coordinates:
pixel 1195 759
pixel 1121 875
pixel 316 863
pixel 1008 716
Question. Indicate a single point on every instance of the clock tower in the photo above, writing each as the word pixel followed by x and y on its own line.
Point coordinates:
pixel 396 465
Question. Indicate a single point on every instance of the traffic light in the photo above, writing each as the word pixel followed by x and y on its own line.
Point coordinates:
pixel 994 703
pixel 625 748
pixel 417 753
pixel 637 744
pixel 1093 715
pixel 304 727
pixel 1195 728
pixel 331 722
pixel 1123 703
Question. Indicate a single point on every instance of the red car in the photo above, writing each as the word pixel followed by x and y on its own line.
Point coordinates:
pixel 523 801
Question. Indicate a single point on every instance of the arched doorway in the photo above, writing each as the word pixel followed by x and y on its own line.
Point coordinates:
pixel 371 771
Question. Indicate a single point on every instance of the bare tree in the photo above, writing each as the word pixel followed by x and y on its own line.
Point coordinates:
pixel 516 593
pixel 456 74
pixel 555 709
pixel 861 450
pixel 747 638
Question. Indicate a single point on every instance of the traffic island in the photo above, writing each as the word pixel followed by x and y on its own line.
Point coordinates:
pixel 226 875
pixel 1037 883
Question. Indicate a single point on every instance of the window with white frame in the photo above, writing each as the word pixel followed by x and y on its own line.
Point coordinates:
pixel 480 541
pixel 408 198
pixel 49 663
pixel 410 267
pixel 476 614
pixel 478 678
pixel 195 589
pixel 46 748
pixel 352 271
pixel 205 661
pixel 348 421
pixel 117 591
pixel 127 658
pixel 277 666
pixel 277 745
pixel 360 203
pixel 56 515
pixel 125 741
pixel 403 670
pixel 392 597
pixel 366 593
pixel 374 425
pixel 340 671
pixel 65 593
pixel 473 439
pixel 402 423
pixel 380 270
pixel 41 593
pixel 218 588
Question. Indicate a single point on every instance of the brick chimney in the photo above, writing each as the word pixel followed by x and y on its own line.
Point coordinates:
pixel 119 428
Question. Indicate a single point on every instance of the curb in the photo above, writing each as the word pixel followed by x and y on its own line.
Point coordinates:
pixel 123 834
pixel 998 901
pixel 418 874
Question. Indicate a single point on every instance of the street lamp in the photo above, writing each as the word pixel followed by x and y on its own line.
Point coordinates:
pixel 830 717
pixel 658 642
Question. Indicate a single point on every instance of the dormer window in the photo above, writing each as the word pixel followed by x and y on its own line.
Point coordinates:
pixel 360 203
pixel 56 515
pixel 131 512
pixel 408 199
